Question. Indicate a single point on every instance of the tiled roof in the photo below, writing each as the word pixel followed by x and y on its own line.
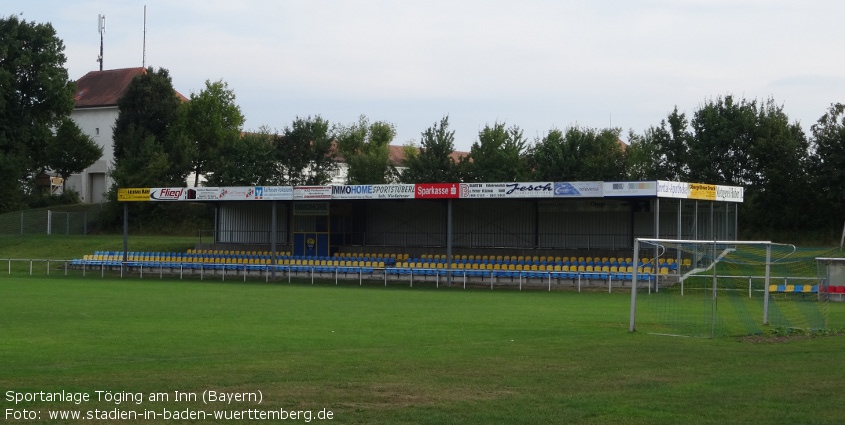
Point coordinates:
pixel 104 88
pixel 397 154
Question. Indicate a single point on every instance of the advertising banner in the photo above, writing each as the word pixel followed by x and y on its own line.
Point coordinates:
pixel 436 190
pixel 352 191
pixel 133 195
pixel 168 194
pixel 203 193
pixel 312 192
pixel 507 190
pixel 630 188
pixel 236 193
pixel 729 193
pixel 393 191
pixel 274 193
pixel 667 189
pixel 702 191
pixel 580 189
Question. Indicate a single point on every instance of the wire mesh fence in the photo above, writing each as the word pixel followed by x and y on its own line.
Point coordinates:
pixel 51 221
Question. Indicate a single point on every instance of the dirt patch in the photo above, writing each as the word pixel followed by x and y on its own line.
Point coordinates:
pixel 779 339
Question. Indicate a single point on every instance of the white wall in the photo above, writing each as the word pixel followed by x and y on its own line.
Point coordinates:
pixel 97 123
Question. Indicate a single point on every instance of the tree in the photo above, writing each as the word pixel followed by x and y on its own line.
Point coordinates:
pixel 305 153
pixel 365 148
pixel 71 151
pixel 579 154
pixel 499 155
pixel 434 162
pixel 35 94
pixel 245 161
pixel 661 153
pixel 146 150
pixel 828 163
pixel 723 135
pixel 755 146
pixel 207 122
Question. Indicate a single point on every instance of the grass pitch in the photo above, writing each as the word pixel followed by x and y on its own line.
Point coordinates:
pixel 393 355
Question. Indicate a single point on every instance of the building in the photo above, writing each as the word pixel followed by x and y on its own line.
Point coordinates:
pixel 95 112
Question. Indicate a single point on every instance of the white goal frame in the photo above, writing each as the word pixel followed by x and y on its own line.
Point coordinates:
pixel 636 257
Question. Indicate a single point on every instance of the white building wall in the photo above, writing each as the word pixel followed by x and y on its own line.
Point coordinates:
pixel 97 123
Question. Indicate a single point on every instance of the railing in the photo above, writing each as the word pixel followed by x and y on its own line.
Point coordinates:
pixel 520 280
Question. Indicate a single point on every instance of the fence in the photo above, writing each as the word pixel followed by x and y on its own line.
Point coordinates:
pixel 50 221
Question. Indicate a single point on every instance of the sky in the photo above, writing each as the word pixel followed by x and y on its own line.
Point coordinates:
pixel 535 64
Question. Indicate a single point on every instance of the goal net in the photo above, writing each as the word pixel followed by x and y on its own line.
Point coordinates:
pixel 725 288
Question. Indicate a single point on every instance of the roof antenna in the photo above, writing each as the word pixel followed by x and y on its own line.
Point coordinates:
pixel 144 58
pixel 101 26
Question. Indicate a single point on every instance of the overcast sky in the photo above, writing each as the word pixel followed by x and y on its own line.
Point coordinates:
pixel 531 63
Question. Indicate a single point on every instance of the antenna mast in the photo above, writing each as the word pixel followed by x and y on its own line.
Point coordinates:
pixel 101 27
pixel 144 58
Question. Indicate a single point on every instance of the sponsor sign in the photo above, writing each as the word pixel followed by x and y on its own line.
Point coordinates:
pixel 273 193
pixel 703 191
pixel 730 193
pixel 133 195
pixel 236 193
pixel 310 208
pixel 168 194
pixel 203 193
pixel 630 188
pixel 436 190
pixel 507 190
pixel 312 192
pixel 579 189
pixel 667 189
pixel 393 191
pixel 352 191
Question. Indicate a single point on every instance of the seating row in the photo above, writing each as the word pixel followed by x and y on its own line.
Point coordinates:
pixel 534 267
pixel 545 260
pixel 561 261
pixel 223 258
pixel 364 256
pixel 794 288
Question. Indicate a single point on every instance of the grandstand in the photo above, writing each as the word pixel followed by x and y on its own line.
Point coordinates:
pixel 562 232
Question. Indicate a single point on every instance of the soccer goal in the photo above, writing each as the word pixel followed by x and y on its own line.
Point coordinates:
pixel 724 288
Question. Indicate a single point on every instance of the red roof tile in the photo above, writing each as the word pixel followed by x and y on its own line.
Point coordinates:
pixel 397 154
pixel 104 88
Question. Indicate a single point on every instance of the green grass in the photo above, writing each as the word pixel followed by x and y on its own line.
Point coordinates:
pixel 399 356
pixel 62 247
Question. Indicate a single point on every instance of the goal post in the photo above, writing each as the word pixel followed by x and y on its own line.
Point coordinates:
pixel 709 288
